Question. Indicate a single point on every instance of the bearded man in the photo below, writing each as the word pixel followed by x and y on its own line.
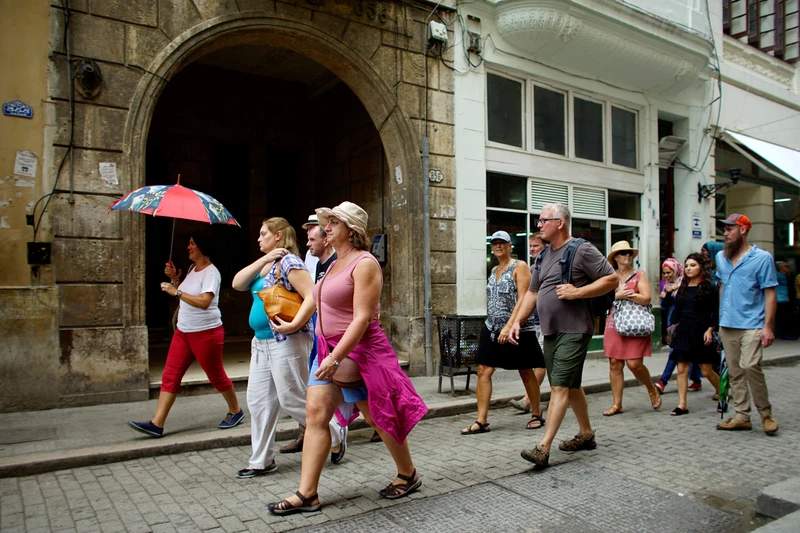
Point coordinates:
pixel 747 305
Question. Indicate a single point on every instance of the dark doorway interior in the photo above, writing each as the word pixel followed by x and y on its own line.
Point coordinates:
pixel 268 133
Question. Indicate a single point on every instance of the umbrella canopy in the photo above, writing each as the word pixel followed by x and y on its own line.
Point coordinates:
pixel 175 201
pixel 724 380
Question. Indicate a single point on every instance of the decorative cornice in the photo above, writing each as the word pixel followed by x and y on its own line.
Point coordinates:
pixel 602 45
pixel 759 62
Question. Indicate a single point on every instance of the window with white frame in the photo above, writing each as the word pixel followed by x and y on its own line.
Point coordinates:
pixel 564 122
pixel 504 109
pixel 601 216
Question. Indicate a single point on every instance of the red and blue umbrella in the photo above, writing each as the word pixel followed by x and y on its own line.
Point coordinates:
pixel 175 201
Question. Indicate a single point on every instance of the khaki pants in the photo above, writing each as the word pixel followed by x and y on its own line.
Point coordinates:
pixel 743 353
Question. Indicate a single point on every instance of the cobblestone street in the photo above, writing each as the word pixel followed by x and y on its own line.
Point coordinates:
pixel 650 471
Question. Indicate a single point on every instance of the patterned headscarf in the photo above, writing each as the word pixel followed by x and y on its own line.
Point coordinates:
pixel 674 265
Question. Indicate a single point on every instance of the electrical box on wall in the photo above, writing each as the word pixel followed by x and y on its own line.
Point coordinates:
pixel 474 34
pixel 379 248
pixel 438 31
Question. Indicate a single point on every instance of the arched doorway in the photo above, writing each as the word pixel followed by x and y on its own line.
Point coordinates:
pixel 268 132
pixel 394 204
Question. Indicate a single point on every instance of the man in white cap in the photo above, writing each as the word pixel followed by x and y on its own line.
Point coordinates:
pixel 311 260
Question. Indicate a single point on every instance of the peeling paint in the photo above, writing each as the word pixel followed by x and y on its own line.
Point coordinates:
pixel 396 227
pixel 30 206
pixel 22 182
pixel 4 223
pixel 442 226
pixel 398 175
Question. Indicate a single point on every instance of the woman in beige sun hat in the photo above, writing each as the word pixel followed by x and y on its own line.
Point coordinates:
pixel 627 351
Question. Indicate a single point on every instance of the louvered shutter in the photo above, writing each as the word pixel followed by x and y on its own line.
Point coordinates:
pixel 586 201
pixel 546 192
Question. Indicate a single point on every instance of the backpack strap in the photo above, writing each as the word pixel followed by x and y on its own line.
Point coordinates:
pixel 568 257
pixel 537 263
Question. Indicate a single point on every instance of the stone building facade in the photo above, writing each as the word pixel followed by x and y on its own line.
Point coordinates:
pixel 273 107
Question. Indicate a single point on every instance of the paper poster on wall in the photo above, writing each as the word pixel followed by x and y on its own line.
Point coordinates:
pixel 108 171
pixel 25 163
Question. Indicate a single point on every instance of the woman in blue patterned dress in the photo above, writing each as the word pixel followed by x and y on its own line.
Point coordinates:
pixel 507 285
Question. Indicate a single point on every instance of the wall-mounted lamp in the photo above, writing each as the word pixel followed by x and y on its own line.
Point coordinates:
pixel 704 191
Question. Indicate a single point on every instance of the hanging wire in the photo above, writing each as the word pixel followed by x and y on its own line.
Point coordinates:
pixel 49 196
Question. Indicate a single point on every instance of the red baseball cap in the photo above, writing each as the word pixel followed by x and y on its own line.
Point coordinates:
pixel 738 220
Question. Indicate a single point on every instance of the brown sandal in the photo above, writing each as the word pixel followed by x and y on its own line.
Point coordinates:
pixel 655 399
pixel 284 507
pixel 537 456
pixel 412 483
pixel 615 410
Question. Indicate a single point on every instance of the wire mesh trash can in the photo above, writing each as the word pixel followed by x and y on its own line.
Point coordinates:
pixel 459 337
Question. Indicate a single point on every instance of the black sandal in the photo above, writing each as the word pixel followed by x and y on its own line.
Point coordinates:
pixel 284 507
pixel 392 491
pixel 482 428
pixel 535 418
pixel 678 412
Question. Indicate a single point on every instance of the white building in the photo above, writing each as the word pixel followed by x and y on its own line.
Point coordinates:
pixel 759 126
pixel 567 100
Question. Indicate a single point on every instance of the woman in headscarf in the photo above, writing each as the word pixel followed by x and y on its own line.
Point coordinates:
pixel 347 299
pixel 671 277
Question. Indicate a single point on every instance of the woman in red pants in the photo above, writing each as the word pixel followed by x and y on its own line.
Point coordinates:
pixel 199 336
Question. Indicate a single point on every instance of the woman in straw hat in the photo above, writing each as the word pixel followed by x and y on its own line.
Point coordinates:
pixel 630 351
pixel 347 299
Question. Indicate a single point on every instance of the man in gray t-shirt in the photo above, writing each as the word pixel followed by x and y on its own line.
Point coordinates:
pixel 567 324
pixel 558 315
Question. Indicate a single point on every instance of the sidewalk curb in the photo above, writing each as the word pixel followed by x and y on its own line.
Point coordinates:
pixel 39 463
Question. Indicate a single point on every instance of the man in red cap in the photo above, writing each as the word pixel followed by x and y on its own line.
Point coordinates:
pixel 747 305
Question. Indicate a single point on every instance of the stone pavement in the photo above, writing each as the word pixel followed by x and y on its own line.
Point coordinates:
pixel 42 441
pixel 650 472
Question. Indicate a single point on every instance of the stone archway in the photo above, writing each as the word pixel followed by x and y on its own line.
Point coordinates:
pixel 395 129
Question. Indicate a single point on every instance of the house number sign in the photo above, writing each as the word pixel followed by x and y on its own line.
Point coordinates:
pixel 373 10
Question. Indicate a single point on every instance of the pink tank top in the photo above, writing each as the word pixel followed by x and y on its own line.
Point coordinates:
pixel 336 307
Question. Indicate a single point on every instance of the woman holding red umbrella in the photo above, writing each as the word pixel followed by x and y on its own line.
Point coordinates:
pixel 199 335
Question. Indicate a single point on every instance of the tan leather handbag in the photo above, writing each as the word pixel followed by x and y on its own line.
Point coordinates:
pixel 279 301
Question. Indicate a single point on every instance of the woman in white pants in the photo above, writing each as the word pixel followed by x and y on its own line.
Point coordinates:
pixel 280 350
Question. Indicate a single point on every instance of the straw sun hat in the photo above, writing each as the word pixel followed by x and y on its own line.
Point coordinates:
pixel 621 246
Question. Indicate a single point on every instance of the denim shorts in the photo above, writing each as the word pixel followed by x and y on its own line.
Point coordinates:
pixel 350 395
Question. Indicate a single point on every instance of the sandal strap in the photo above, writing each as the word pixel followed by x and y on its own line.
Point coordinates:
pixel 410 479
pixel 306 502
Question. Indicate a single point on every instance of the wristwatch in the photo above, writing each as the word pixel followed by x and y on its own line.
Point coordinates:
pixel 178 294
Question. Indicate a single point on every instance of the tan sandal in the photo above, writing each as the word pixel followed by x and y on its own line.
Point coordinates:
pixel 655 399
pixel 615 410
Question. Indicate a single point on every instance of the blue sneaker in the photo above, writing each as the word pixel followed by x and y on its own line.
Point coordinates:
pixel 232 420
pixel 148 428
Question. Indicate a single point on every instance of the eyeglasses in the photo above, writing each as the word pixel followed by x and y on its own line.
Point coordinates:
pixel 625 252
pixel 543 221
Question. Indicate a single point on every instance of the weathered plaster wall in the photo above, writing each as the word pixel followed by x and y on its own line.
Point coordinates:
pixel 28 299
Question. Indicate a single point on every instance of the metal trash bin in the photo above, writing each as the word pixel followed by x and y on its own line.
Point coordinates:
pixel 459 336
